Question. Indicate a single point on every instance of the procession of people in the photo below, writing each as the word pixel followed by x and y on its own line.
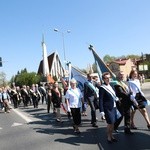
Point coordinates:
pixel 113 102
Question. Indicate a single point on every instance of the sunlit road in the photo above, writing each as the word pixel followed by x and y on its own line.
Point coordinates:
pixel 16 134
pixel 34 129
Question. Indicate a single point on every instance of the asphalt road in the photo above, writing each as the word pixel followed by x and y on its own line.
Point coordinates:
pixel 35 129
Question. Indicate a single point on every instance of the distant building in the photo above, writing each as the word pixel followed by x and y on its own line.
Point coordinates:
pixel 143 65
pixel 125 65
pixel 55 66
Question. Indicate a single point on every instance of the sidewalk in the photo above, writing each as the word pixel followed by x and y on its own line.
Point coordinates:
pixel 145 86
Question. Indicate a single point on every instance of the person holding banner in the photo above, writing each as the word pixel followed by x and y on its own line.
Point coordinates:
pixel 107 103
pixel 90 96
pixel 138 98
pixel 124 104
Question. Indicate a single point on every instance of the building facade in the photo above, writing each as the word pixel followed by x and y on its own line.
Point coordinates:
pixel 125 65
pixel 55 66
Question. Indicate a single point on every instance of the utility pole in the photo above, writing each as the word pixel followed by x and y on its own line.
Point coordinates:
pixel 63 42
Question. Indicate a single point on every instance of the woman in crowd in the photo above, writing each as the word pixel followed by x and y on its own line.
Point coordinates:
pixel 74 100
pixel 107 101
pixel 138 98
pixel 56 96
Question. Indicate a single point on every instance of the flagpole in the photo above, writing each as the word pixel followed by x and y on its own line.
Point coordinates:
pixel 69 69
pixel 94 53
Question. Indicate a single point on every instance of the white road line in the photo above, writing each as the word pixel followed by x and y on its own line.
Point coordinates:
pixel 100 146
pixel 1 128
pixel 22 116
pixel 16 124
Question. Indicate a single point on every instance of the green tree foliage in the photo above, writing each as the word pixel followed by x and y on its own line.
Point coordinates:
pixel 133 56
pixel 24 70
pixel 25 78
pixel 108 58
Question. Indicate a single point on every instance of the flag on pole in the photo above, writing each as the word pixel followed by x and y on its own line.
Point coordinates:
pixel 79 76
pixel 101 66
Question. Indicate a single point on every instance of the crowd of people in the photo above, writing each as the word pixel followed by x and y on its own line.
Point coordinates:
pixel 114 102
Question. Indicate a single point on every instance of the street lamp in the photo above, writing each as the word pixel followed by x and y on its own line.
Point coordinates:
pixel 62 33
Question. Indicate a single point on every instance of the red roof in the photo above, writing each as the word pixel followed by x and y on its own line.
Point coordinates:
pixel 121 61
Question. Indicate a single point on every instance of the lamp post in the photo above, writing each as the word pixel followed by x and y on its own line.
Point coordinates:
pixel 63 41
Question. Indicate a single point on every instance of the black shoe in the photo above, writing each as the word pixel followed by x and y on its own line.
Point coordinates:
pixel 94 125
pixel 74 127
pixel 109 141
pixel 133 127
pixel 114 140
pixel 116 131
pixel 128 132
pixel 58 120
pixel 78 131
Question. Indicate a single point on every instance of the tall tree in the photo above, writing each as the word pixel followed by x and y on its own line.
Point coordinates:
pixel 108 58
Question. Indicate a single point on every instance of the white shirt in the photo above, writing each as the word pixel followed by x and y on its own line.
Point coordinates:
pixel 135 87
pixel 74 97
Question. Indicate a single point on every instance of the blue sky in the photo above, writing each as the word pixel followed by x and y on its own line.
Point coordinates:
pixel 113 27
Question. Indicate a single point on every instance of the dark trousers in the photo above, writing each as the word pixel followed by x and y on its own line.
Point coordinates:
pixel 48 103
pixel 43 98
pixel 124 109
pixel 25 102
pixel 76 115
pixel 93 110
pixel 35 102
pixel 15 102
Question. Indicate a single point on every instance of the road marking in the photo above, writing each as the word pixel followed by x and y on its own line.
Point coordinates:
pixel 22 116
pixel 16 124
pixel 100 146
pixel 1 128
